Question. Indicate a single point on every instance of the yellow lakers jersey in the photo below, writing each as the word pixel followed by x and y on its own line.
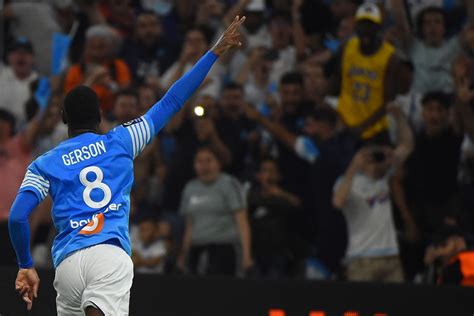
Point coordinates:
pixel 362 91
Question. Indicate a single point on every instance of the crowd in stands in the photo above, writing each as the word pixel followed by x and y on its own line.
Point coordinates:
pixel 336 143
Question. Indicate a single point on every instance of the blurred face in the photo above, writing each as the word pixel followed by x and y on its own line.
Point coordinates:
pixel 146 98
pixel 433 29
pixel 196 41
pixel 232 101
pixel 367 32
pixel 268 173
pixel 346 28
pixel 314 80
pixel 97 50
pixel 253 21
pixel 148 29
pixel 147 231
pixel 435 117
pixel 21 62
pixel 291 95
pixel 469 38
pixel 125 108
pixel 206 166
pixel 281 33
pixel 342 8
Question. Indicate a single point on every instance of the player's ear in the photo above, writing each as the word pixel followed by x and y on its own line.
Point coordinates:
pixel 63 114
pixel 99 119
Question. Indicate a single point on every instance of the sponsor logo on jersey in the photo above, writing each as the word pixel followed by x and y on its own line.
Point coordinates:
pixel 93 225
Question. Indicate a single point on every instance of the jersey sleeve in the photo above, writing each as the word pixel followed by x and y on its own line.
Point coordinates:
pixel 35 181
pixel 136 134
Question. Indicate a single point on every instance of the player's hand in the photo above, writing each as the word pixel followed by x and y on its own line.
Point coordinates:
pixel 27 283
pixel 230 38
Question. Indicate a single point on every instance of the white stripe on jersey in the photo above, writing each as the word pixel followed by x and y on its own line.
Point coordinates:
pixel 30 174
pixel 133 141
pixel 37 182
pixel 140 134
pixel 41 190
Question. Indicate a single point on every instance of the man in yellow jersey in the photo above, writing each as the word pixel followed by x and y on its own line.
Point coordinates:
pixel 365 77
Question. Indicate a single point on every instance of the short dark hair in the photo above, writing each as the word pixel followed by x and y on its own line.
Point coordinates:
pixel 324 114
pixel 439 96
pixel 421 16
pixel 81 108
pixel 292 78
pixel 232 85
pixel 210 150
pixel 8 117
pixel 204 30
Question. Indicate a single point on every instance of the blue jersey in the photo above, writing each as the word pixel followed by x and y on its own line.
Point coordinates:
pixel 89 177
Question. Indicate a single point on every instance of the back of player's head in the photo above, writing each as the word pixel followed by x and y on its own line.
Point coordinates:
pixel 81 108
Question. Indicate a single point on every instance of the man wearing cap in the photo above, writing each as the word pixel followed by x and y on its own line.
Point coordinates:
pixel 15 79
pixel 366 76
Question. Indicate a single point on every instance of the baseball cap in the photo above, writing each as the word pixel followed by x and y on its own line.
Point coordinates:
pixel 21 43
pixel 369 11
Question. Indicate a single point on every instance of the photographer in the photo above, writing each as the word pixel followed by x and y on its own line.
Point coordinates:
pixel 363 196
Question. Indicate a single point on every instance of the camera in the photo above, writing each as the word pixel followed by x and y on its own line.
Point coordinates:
pixel 378 155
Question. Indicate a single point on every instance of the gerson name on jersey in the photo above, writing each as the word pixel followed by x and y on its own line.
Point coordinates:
pixel 84 153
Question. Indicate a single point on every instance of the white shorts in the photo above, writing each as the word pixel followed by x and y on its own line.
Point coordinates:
pixel 99 276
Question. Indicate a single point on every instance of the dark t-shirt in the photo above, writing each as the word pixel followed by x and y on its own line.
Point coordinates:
pixel 235 133
pixel 432 168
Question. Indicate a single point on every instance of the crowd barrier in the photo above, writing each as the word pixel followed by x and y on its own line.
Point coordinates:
pixel 189 296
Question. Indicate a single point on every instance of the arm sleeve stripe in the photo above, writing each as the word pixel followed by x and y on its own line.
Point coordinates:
pixel 147 127
pixel 37 182
pixel 143 131
pixel 41 190
pixel 138 136
pixel 133 141
pixel 30 174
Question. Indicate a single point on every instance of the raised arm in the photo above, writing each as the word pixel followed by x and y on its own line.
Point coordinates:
pixel 401 22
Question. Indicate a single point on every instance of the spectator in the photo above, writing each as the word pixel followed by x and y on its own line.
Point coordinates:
pixel 195 44
pixel 254 76
pixel 366 76
pixel 451 255
pixel 191 132
pixel 147 52
pixel 99 68
pixel 270 211
pixel 16 78
pixel 328 152
pixel 432 53
pixel 15 155
pixel 216 219
pixel 125 107
pixel 36 20
pixel 236 130
pixel 428 190
pixel 150 249
pixel 363 195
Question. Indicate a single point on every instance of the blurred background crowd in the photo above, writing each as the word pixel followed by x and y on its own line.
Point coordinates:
pixel 334 144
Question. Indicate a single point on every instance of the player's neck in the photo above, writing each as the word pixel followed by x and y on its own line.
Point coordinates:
pixel 76 132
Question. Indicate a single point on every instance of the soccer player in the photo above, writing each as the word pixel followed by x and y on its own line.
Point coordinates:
pixel 89 177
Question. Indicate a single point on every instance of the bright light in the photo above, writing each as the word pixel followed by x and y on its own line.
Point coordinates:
pixel 199 110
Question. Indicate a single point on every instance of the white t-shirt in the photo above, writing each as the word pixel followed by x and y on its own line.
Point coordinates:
pixel 14 93
pixel 368 213
pixel 156 249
